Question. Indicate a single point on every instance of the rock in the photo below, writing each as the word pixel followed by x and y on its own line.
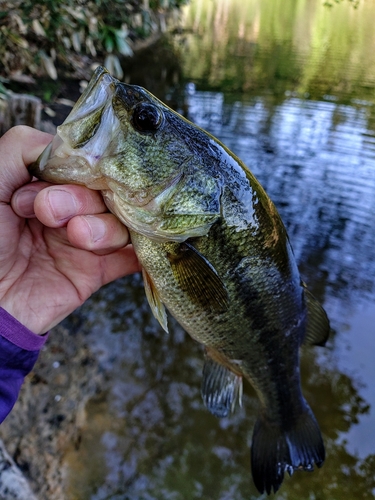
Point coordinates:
pixel 13 485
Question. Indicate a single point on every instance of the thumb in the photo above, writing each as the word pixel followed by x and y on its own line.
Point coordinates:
pixel 19 147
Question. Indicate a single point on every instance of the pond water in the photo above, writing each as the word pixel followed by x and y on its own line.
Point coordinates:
pixel 288 86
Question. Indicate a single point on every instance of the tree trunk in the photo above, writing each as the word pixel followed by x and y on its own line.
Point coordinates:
pixel 20 109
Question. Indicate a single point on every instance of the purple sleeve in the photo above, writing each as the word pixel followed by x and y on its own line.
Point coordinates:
pixel 19 350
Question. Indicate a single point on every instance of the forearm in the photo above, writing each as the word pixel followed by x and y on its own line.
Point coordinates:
pixel 19 350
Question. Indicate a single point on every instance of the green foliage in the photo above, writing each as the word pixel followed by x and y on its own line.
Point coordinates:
pixel 38 36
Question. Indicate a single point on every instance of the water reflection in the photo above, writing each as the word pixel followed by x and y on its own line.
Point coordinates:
pixel 279 45
pixel 316 161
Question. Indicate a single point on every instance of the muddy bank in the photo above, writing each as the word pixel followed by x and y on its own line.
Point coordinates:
pixel 50 413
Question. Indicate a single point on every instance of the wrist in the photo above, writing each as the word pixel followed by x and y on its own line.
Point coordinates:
pixel 22 319
pixel 18 334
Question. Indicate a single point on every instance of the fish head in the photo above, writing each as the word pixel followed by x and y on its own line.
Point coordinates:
pixel 123 141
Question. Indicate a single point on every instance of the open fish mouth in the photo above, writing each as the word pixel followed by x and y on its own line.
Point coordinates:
pixel 77 148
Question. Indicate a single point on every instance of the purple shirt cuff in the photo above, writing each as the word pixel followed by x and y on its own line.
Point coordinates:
pixel 19 350
pixel 14 331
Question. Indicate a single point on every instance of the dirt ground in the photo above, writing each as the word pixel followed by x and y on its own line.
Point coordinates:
pixel 50 412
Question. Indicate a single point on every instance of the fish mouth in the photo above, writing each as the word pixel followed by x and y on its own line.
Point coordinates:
pixel 57 165
pixel 90 123
pixel 101 86
pixel 93 120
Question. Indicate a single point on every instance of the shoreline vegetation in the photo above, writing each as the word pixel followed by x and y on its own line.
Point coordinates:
pixel 64 38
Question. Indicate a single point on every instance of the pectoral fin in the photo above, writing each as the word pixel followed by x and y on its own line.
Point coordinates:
pixel 157 306
pixel 198 278
pixel 221 388
pixel 318 328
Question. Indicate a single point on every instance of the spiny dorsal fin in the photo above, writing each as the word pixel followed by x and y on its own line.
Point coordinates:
pixel 317 328
pixel 157 306
pixel 221 388
pixel 198 278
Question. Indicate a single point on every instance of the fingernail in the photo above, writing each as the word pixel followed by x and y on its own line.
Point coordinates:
pixel 25 202
pixel 62 203
pixel 97 227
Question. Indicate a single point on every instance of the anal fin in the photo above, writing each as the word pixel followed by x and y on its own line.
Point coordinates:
pixel 157 306
pixel 221 388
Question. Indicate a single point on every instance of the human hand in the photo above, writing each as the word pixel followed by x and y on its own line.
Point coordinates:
pixel 58 244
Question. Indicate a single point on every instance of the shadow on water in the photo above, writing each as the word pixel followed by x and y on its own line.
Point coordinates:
pixel 308 133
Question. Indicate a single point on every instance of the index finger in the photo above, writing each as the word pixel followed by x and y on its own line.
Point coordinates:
pixel 19 147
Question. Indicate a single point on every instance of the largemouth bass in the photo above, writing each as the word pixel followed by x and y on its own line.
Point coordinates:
pixel 214 252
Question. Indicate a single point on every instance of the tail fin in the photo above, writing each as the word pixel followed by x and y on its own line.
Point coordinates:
pixel 275 451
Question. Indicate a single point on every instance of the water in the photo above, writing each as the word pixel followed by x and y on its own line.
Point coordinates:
pixel 290 88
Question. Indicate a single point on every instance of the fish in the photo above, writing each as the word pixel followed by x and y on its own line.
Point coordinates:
pixel 214 253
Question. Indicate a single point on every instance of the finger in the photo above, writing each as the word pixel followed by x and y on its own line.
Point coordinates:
pixel 56 205
pixel 101 234
pixel 119 263
pixel 20 146
pixel 22 201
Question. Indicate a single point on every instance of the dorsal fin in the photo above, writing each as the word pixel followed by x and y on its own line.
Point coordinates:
pixel 318 327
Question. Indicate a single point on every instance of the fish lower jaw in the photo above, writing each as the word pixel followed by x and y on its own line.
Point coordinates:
pixel 41 162
pixel 98 184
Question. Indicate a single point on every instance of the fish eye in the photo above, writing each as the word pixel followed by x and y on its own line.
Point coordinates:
pixel 147 117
